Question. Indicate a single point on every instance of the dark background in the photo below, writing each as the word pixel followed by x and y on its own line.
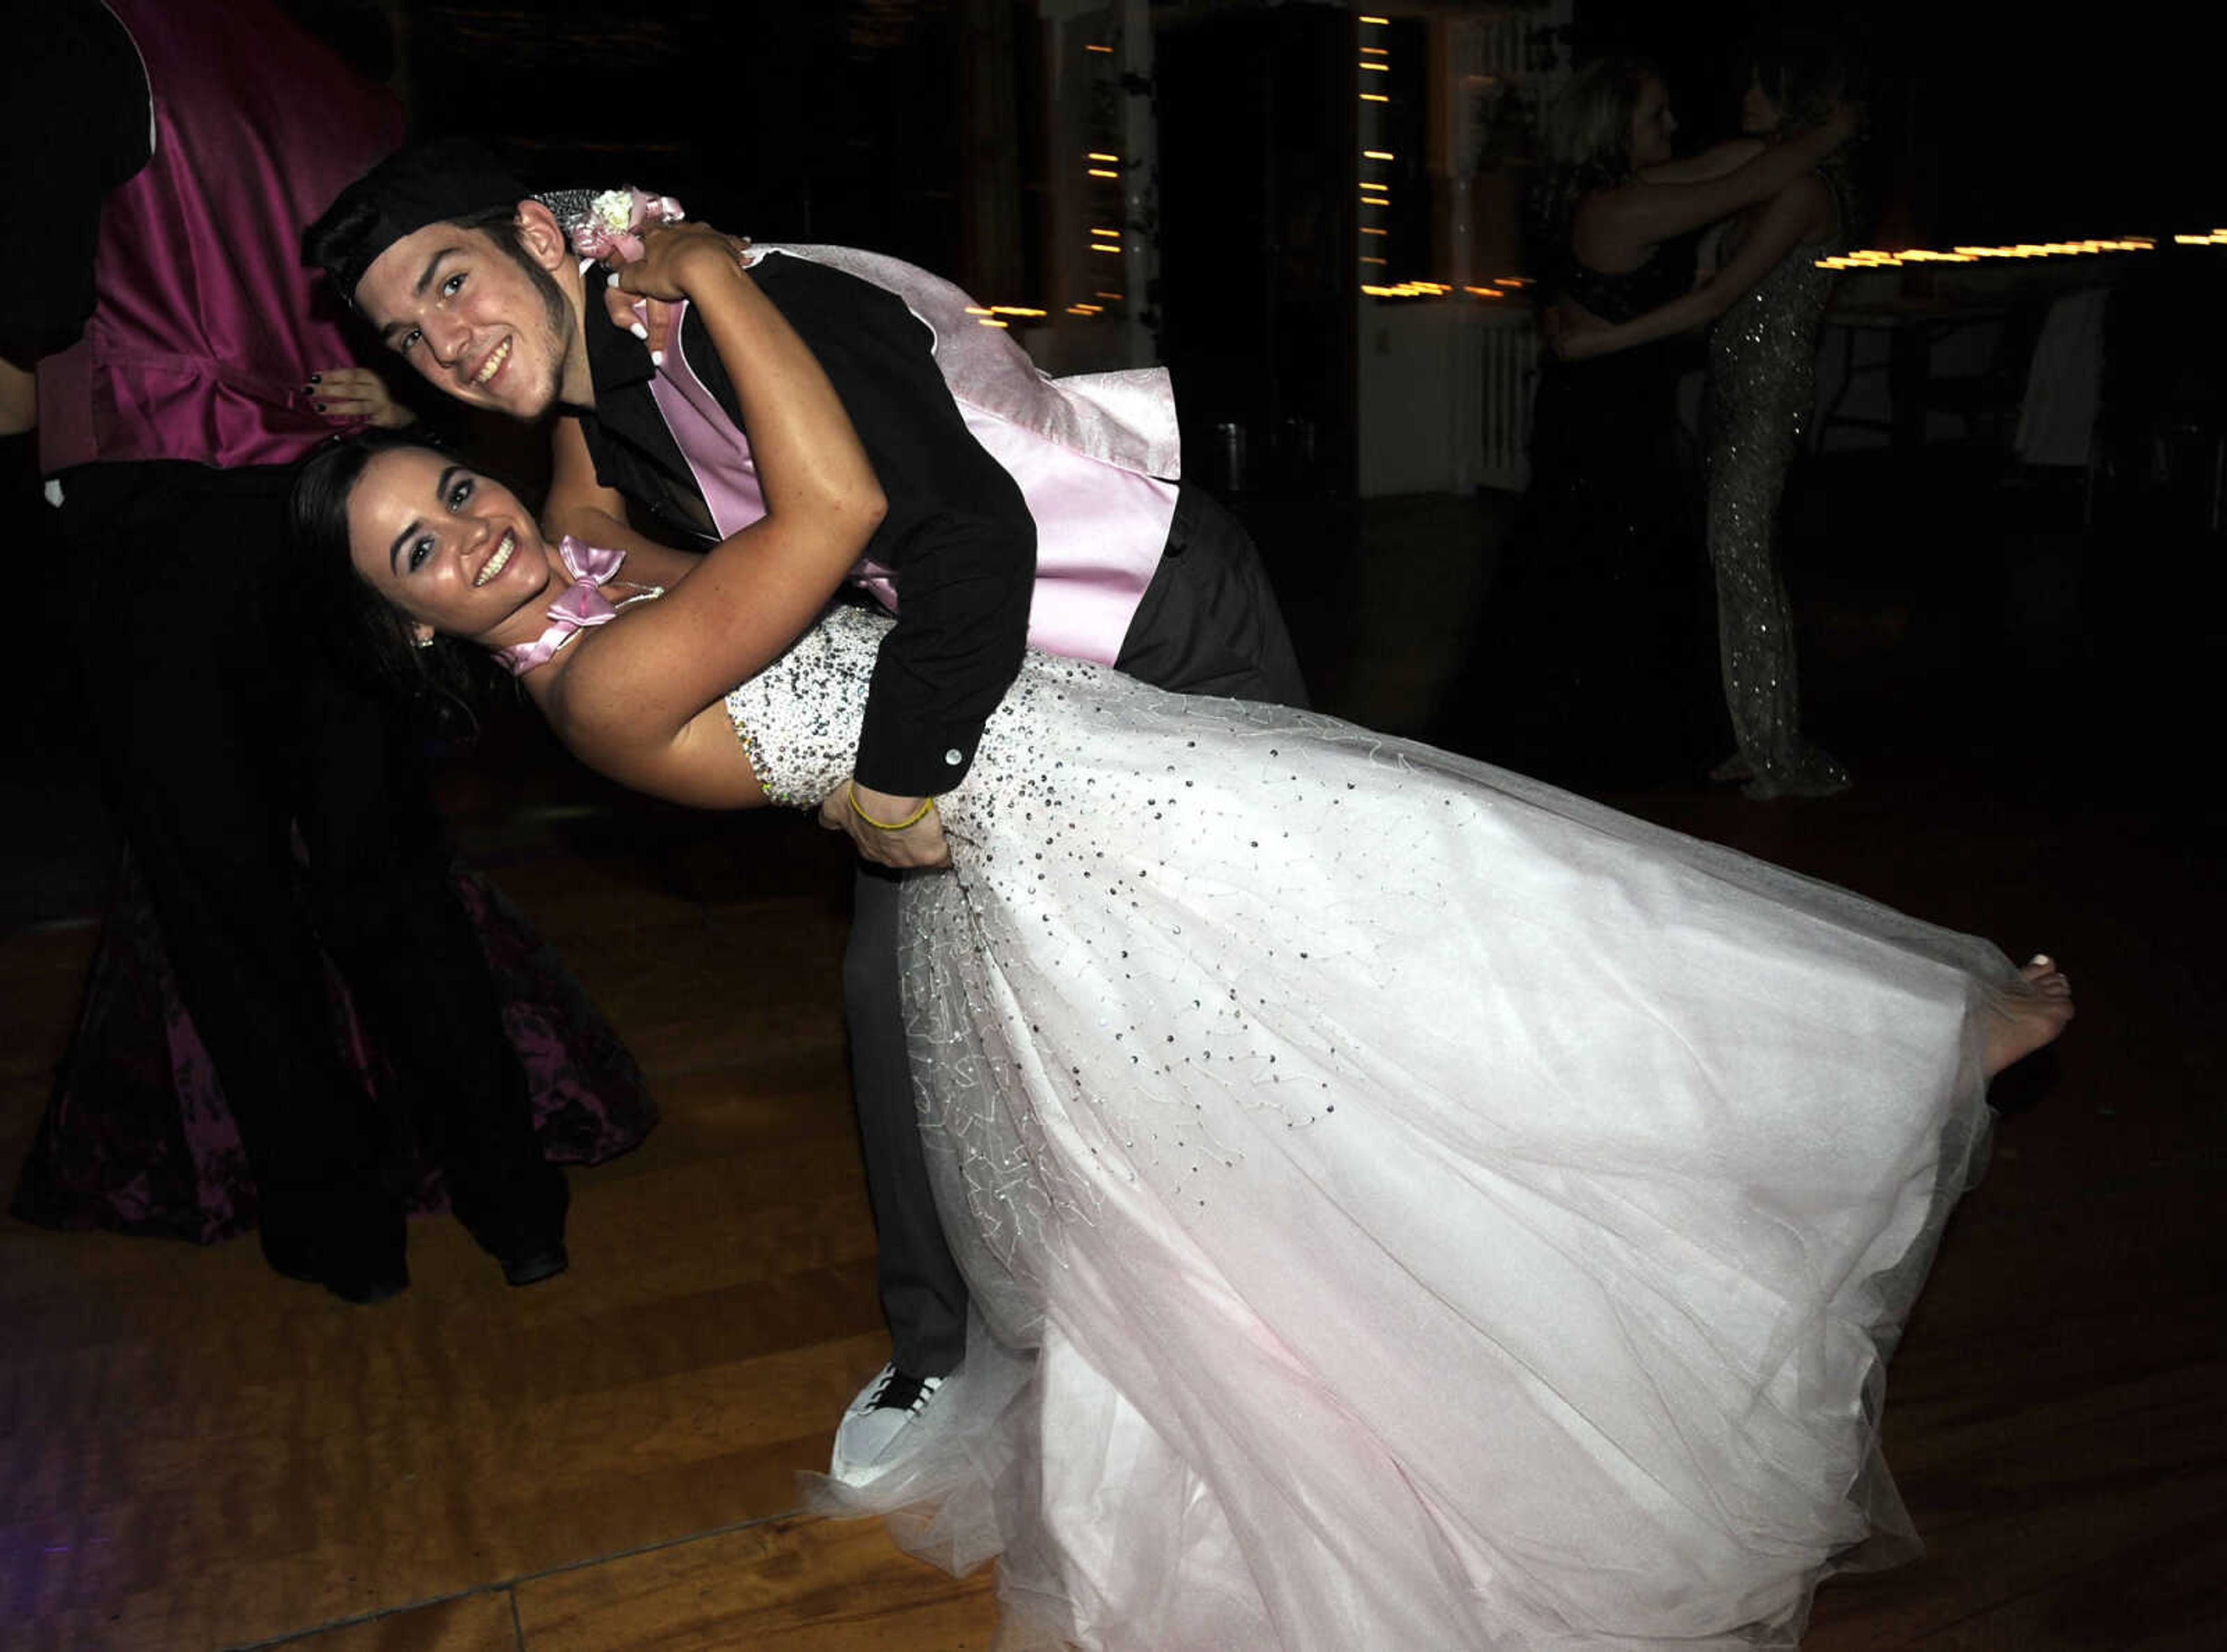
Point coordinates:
pixel 917 128
pixel 847 120
pixel 1996 121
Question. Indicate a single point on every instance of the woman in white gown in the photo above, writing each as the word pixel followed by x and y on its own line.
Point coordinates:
pixel 1410 1207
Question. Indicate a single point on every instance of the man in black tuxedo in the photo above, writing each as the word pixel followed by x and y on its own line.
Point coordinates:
pixel 473 280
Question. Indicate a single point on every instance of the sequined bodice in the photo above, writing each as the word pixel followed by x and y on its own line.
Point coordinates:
pixel 799 720
pixel 1773 327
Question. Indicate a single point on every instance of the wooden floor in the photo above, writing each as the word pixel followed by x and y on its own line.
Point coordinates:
pixel 197 1455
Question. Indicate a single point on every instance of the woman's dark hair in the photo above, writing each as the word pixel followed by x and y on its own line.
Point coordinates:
pixel 367 636
pixel 1804 72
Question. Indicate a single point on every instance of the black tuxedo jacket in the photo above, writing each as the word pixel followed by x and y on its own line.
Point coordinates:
pixel 958 540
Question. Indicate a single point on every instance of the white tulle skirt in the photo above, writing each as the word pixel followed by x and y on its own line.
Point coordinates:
pixel 1409 1206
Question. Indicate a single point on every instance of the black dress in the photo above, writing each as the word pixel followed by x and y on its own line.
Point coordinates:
pixel 1592 665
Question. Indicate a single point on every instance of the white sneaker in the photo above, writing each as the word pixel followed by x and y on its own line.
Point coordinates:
pixel 881 1425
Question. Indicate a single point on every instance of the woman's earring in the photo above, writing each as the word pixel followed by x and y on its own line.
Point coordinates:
pixel 423 639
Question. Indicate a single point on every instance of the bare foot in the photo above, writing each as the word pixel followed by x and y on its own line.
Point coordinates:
pixel 2023 1024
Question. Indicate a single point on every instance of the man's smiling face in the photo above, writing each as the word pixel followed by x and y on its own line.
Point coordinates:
pixel 485 321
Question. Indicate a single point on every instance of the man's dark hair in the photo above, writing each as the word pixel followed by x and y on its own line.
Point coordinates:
pixel 448 181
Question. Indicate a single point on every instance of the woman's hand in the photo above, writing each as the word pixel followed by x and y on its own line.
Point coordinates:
pixel 356 396
pixel 677 257
pixel 1582 345
pixel 649 318
pixel 1572 334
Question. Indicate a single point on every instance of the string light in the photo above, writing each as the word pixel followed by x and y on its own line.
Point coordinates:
pixel 1500 287
pixel 1372 192
pixel 1869 259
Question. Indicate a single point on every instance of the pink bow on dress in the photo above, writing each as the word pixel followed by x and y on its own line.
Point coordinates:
pixel 581 605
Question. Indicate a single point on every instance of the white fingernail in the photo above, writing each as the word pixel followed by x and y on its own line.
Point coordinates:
pixel 640 331
pixel 612 279
pixel 657 358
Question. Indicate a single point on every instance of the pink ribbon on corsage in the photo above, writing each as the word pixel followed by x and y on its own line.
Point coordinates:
pixel 582 604
pixel 611 227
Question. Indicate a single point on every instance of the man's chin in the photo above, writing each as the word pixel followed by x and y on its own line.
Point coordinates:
pixel 535 410
pixel 529 409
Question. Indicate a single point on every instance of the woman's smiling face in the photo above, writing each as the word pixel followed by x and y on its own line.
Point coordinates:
pixel 454 552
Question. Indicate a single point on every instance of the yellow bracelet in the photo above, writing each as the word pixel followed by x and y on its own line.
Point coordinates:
pixel 917 816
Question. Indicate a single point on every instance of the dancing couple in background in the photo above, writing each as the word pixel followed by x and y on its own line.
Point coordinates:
pixel 1400 1204
pixel 1606 564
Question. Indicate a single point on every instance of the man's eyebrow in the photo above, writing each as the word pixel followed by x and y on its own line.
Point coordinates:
pixel 445 481
pixel 426 278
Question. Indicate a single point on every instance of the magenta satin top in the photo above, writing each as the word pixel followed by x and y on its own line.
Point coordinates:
pixel 1081 449
pixel 202 335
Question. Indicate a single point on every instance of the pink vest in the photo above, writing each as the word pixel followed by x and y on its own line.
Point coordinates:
pixel 202 336
pixel 1088 454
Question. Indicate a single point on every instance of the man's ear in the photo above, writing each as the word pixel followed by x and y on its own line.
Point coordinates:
pixel 540 235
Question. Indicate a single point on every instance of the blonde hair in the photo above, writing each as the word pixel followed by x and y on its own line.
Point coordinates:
pixel 1587 147
pixel 1589 126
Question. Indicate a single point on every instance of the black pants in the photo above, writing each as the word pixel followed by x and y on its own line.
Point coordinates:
pixel 1208 624
pixel 224 738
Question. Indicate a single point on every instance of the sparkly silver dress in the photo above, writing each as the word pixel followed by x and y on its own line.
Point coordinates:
pixel 1408 1206
pixel 1761 386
